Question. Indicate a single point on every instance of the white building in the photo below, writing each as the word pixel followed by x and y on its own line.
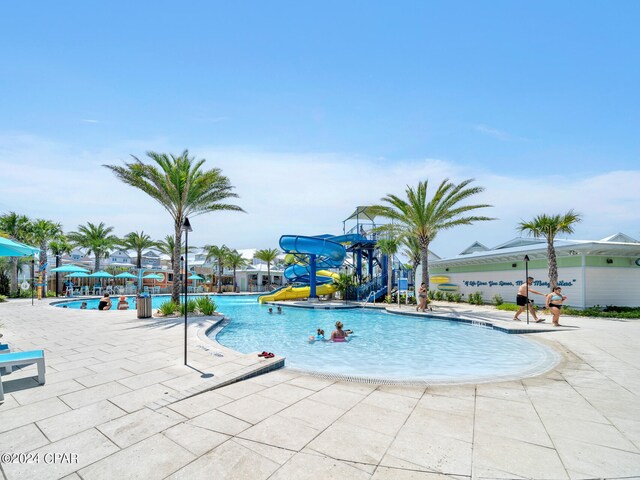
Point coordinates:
pixel 590 272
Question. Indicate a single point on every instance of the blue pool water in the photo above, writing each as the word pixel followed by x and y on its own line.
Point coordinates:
pixel 385 346
pixel 92 304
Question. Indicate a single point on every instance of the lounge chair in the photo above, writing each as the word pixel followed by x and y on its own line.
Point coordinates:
pixel 4 348
pixel 10 360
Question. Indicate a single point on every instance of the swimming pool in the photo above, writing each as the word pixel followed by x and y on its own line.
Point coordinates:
pixel 388 347
pixel 92 303
pixel 385 346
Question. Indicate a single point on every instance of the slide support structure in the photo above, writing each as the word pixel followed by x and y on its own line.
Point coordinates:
pixel 312 277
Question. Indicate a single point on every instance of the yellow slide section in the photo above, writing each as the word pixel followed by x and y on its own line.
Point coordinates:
pixel 292 293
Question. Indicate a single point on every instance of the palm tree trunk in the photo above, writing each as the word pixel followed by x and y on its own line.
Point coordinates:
pixel 269 276
pixel 220 275
pixel 553 264
pixel 13 262
pixel 175 288
pixel 234 279
pixel 424 261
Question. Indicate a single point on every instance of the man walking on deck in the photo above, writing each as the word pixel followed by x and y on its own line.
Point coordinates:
pixel 523 301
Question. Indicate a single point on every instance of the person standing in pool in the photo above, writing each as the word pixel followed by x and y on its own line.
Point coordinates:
pixel 554 301
pixel 339 335
pixel 522 300
pixel 105 302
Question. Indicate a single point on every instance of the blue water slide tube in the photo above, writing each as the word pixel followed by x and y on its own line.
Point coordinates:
pixel 329 253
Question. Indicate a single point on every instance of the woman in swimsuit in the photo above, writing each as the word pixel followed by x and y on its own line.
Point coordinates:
pixel 339 335
pixel 554 302
pixel 422 296
pixel 105 302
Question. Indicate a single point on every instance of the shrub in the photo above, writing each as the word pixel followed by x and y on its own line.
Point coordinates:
pixel 3 298
pixel 168 308
pixel 431 294
pixel 497 299
pixel 449 296
pixel 457 297
pixel 476 298
pixel 439 295
pixel 206 306
pixel 191 307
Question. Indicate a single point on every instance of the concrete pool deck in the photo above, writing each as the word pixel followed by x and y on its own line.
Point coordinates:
pixel 106 372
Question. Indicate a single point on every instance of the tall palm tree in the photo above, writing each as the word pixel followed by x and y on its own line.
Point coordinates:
pixel 423 218
pixel 59 246
pixel 42 232
pixel 138 241
pixel 183 188
pixel 219 254
pixel 167 246
pixel 16 227
pixel 412 251
pixel 267 255
pixel 548 226
pixel 96 239
pixel 389 247
pixel 235 260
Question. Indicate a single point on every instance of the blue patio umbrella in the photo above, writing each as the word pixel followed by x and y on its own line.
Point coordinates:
pixel 154 277
pixel 69 268
pixel 125 275
pixel 77 275
pixel 101 274
pixel 195 277
pixel 10 248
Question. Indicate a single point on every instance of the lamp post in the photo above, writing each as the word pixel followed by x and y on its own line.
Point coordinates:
pixel 186 228
pixel 526 282
pixel 33 273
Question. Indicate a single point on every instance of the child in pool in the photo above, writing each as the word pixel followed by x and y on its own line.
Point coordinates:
pixel 319 336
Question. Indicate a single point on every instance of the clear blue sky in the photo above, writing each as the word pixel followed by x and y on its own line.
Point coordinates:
pixel 523 89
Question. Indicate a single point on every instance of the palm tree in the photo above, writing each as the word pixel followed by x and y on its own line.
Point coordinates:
pixel 235 260
pixel 167 246
pixel 180 185
pixel 95 239
pixel 548 226
pixel 42 232
pixel 423 218
pixel 412 251
pixel 59 246
pixel 389 247
pixel 137 241
pixel 17 227
pixel 343 283
pixel 219 254
pixel 268 255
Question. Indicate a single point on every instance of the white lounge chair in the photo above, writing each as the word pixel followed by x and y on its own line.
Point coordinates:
pixel 10 360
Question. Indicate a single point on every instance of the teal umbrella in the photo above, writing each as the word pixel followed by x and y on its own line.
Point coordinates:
pixel 125 275
pixel 77 275
pixel 69 268
pixel 195 277
pixel 101 274
pixel 9 248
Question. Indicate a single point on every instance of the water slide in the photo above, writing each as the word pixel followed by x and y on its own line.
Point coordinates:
pixel 313 256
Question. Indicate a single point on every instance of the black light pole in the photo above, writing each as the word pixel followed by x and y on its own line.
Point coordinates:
pixel 526 279
pixel 186 228
pixel 33 273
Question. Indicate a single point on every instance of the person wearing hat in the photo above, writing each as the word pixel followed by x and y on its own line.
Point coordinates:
pixel 123 304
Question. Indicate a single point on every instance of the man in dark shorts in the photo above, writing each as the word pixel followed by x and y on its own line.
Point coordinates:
pixel 521 300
